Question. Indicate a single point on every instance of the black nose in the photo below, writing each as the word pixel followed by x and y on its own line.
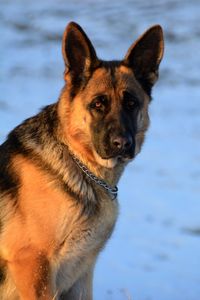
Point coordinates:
pixel 122 143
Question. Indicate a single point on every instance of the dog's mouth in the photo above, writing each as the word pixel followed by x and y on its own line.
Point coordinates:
pixel 124 158
pixel 121 155
pixel 112 160
pixel 112 150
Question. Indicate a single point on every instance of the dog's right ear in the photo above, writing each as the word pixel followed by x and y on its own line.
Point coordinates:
pixel 79 54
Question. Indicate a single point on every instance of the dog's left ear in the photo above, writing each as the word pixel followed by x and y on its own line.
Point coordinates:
pixel 78 53
pixel 145 55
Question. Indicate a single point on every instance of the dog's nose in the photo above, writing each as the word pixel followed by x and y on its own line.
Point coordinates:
pixel 122 143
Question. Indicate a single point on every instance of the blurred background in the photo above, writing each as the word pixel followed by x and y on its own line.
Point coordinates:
pixel 154 253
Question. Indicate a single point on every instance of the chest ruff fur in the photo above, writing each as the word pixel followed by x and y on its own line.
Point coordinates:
pixel 52 221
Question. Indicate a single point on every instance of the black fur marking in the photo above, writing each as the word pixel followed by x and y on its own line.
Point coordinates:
pixel 42 277
pixel 144 82
pixel 2 274
pixel 9 181
pixel 110 65
pixel 105 130
pixel 1 226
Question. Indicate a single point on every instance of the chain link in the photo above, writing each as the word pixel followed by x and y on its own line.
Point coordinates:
pixel 111 190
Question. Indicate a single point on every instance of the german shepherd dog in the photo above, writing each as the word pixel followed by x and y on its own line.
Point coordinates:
pixel 59 169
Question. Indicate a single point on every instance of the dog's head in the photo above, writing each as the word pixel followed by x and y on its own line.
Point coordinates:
pixel 105 103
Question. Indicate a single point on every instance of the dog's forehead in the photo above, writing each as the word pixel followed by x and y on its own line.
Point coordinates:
pixel 117 78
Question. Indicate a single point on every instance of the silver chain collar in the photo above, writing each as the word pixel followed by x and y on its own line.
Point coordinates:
pixel 100 182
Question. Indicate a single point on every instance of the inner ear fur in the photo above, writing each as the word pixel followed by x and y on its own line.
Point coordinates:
pixel 78 52
pixel 145 55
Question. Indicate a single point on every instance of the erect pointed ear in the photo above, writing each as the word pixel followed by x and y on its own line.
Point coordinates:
pixel 78 53
pixel 145 55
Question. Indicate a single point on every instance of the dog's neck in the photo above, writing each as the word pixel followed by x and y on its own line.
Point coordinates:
pixel 110 174
pixel 109 189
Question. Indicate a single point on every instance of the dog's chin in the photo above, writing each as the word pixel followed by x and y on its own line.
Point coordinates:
pixel 111 162
pixel 106 162
pixel 125 159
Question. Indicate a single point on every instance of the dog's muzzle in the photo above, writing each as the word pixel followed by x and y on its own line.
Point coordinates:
pixel 121 143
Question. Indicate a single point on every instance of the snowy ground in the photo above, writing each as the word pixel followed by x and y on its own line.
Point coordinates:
pixel 154 253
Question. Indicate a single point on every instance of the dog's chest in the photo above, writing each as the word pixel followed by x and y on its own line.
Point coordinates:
pixel 83 243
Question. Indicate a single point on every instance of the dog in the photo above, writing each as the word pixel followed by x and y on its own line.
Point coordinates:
pixel 59 169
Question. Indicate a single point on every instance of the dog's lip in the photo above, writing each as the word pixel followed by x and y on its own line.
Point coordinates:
pixel 112 161
pixel 119 157
pixel 124 158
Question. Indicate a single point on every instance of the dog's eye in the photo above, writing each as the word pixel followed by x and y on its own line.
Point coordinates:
pixel 99 103
pixel 130 102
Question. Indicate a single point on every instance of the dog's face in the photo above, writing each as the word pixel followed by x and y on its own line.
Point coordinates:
pixel 107 102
